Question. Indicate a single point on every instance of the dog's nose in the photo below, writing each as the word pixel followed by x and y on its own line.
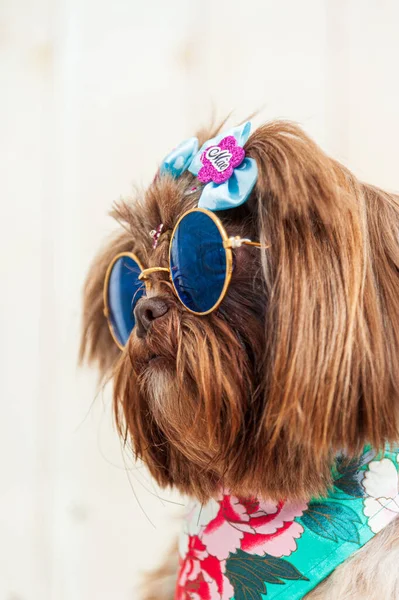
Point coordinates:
pixel 147 311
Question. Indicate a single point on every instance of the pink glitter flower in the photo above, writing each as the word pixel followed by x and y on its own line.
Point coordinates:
pixel 220 160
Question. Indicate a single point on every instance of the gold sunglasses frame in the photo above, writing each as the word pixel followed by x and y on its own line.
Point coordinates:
pixel 105 291
pixel 229 243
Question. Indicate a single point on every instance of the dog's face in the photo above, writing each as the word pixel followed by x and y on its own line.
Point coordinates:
pixel 296 364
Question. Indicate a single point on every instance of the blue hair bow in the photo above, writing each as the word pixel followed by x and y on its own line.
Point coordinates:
pixel 221 163
pixel 178 161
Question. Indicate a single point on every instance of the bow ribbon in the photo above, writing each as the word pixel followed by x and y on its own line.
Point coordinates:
pixel 229 176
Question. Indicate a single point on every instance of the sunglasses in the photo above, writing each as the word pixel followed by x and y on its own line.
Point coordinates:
pixel 200 269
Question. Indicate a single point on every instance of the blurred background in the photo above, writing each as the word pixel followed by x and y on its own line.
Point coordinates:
pixel 93 93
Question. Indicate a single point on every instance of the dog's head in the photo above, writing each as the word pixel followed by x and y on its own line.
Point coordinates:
pixel 299 361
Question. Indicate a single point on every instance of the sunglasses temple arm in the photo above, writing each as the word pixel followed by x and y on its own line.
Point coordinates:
pixel 236 242
pixel 255 244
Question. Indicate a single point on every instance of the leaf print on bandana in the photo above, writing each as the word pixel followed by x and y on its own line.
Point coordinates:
pixel 332 521
pixel 250 574
pixel 350 475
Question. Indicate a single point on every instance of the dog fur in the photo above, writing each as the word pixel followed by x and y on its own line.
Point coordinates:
pixel 298 363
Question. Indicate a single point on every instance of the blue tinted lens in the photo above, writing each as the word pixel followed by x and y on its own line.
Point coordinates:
pixel 198 262
pixel 124 290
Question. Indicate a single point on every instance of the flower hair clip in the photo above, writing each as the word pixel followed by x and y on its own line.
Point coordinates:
pixel 156 234
pixel 219 161
pixel 192 190
pixel 221 164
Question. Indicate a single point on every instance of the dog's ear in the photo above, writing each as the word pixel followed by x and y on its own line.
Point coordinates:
pixel 97 345
pixel 331 273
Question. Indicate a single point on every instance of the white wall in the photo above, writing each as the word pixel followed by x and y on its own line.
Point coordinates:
pixel 93 93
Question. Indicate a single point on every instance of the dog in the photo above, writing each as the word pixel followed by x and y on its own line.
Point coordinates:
pixel 255 364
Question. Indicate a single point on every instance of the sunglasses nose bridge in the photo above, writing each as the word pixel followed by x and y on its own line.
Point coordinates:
pixel 145 275
pixel 146 272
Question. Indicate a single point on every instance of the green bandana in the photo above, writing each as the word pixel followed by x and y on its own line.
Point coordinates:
pixel 245 549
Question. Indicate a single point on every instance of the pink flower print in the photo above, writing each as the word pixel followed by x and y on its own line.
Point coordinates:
pixel 222 526
pixel 224 533
pixel 257 527
pixel 274 526
pixel 201 576
pixel 220 160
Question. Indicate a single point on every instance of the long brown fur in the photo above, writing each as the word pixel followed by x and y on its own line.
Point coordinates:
pixel 300 360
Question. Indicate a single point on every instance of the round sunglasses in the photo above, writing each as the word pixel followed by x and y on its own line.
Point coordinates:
pixel 200 269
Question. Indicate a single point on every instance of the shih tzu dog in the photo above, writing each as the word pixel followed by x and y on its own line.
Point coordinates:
pixel 248 314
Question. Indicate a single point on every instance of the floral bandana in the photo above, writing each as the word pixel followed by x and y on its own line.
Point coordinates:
pixel 229 176
pixel 235 548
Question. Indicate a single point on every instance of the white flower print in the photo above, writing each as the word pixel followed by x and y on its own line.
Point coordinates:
pixel 381 483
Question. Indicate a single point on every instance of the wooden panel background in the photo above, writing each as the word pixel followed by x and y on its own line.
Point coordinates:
pixel 93 94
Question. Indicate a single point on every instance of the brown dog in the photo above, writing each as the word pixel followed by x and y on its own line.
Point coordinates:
pixel 298 363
